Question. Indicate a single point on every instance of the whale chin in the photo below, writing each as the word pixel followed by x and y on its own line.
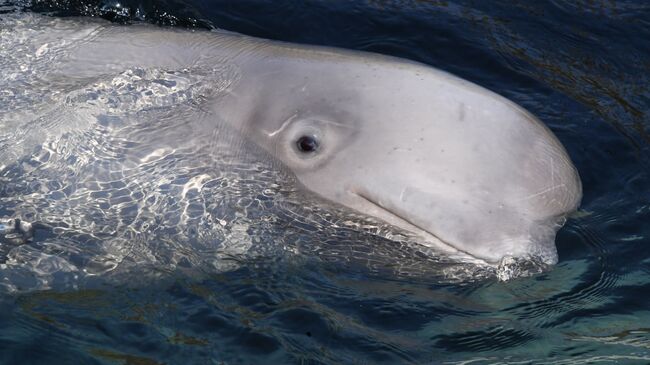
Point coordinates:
pixel 535 243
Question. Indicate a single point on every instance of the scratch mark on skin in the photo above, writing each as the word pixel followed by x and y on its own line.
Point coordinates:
pixel 401 195
pixel 554 187
pixel 552 172
pixel 283 126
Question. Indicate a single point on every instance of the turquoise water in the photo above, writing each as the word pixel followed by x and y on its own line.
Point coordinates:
pixel 581 66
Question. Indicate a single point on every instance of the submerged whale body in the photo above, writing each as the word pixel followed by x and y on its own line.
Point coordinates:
pixel 137 143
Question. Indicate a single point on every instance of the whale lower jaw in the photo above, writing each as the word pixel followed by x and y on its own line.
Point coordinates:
pixel 430 239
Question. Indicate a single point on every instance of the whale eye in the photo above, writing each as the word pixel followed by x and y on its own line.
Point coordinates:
pixel 307 144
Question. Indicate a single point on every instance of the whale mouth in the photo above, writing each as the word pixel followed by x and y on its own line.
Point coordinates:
pixel 405 223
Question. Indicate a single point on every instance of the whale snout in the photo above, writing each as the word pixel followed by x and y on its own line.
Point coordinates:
pixel 457 222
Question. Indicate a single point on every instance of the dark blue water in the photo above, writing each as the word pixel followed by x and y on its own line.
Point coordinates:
pixel 581 66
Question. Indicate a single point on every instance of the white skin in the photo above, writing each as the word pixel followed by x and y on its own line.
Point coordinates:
pixel 465 169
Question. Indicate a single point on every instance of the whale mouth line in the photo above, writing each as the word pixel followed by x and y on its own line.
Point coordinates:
pixel 444 244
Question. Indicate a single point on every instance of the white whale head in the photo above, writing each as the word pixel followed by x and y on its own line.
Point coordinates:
pixel 464 168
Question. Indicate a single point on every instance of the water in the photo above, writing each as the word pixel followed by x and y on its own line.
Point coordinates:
pixel 581 67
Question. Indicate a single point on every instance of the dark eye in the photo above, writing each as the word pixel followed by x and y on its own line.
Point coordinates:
pixel 307 144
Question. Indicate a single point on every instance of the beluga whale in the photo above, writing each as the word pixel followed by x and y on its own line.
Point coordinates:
pixel 461 169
